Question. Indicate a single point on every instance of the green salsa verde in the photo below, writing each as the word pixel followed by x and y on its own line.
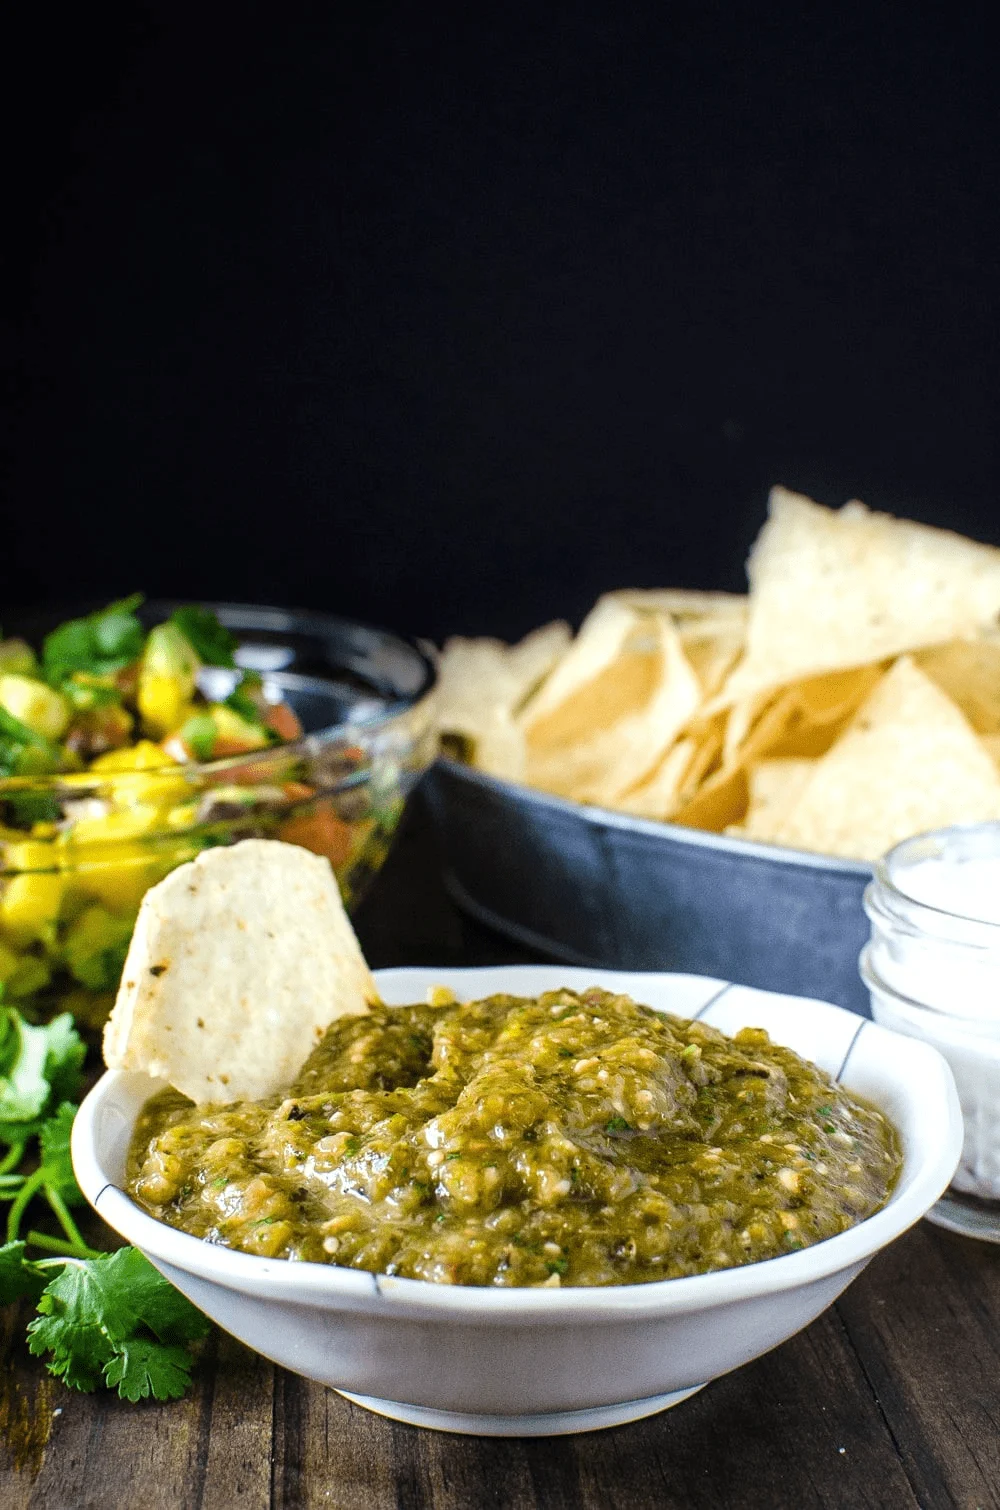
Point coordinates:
pixel 573 1138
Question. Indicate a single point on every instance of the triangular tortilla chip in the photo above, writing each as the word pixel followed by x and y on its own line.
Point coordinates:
pixel 720 802
pixel 239 962
pixel 774 788
pixel 713 647
pixel 712 626
pixel 680 774
pixel 831 589
pixel 615 728
pixel 612 661
pixel 477 678
pixel 969 672
pixel 707 736
pixel 991 744
pixel 499 747
pixel 482 684
pixel 909 761
pixel 798 722
pixel 686 604
pixel 745 715
pixel 531 660
pixel 656 796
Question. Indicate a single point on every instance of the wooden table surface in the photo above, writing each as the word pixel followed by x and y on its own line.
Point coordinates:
pixel 892 1398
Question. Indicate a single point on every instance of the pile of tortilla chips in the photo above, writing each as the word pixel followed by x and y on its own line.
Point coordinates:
pixel 850 699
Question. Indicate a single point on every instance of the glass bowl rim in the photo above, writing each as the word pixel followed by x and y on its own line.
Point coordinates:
pixel 393 708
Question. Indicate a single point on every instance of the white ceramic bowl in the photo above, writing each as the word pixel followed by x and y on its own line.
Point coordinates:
pixel 523 1362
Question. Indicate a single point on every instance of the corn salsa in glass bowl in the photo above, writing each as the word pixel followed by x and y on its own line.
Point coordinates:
pixel 141 734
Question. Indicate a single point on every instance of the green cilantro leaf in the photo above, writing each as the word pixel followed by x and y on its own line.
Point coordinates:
pixel 115 1318
pixel 142 1367
pixel 71 1326
pixel 39 1066
pixel 18 1275
pixel 64 1059
pixel 617 1125
pixel 57 1165
pixel 153 1300
pixel 22 751
pixel 102 643
pixel 213 643
pixel 241 699
pixel 26 808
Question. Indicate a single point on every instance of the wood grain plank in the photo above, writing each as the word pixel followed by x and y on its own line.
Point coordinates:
pixel 27 1403
pixel 329 1454
pixel 795 1429
pixel 106 1454
pixel 926 1328
pixel 234 1453
pixel 489 1472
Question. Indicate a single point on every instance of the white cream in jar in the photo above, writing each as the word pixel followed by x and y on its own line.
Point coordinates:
pixel 932 967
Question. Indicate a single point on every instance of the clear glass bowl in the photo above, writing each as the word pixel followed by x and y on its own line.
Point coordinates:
pixel 78 851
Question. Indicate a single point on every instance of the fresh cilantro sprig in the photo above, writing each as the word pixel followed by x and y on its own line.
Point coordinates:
pixel 100 644
pixel 40 1071
pixel 102 1317
pixel 243 700
pixel 114 1320
pixel 214 644
pixel 247 701
pixel 39 1068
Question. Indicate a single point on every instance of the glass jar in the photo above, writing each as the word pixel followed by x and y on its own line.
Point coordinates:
pixel 932 967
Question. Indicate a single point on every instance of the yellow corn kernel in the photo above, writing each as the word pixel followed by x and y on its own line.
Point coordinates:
pixel 34 704
pixel 142 756
pixel 440 996
pixel 148 776
pixel 167 678
pixel 162 702
pixel 29 904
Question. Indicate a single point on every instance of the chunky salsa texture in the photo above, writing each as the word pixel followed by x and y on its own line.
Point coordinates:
pixel 573 1138
pixel 101 734
pixel 104 686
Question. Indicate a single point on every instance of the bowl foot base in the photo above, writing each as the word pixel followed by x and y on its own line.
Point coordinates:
pixel 968 1215
pixel 557 1423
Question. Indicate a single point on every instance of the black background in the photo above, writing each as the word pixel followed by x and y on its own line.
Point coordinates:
pixel 449 318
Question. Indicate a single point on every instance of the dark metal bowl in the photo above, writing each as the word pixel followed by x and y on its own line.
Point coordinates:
pixel 591 887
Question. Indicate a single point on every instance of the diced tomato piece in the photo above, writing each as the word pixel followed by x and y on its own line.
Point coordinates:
pixel 284 722
pixel 320 830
